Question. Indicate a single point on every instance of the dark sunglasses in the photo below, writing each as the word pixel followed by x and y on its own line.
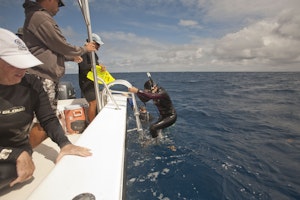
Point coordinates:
pixel 60 3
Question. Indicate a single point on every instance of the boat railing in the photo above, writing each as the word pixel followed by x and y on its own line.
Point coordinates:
pixel 107 92
pixel 84 6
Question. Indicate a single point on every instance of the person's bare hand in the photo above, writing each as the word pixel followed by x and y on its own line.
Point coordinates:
pixel 103 68
pixel 25 168
pixel 78 59
pixel 133 89
pixel 90 46
pixel 71 149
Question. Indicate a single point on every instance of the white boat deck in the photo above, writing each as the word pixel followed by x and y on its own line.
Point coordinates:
pixel 100 174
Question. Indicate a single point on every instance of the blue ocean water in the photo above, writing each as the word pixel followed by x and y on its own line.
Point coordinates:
pixel 237 136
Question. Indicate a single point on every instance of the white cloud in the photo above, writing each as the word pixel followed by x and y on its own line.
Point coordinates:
pixel 289 24
pixel 268 43
pixel 262 46
pixel 224 10
pixel 171 35
pixel 189 23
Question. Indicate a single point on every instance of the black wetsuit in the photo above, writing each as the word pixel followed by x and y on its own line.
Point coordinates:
pixel 165 107
pixel 18 103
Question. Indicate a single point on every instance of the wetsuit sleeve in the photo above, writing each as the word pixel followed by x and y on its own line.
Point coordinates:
pixel 142 96
pixel 148 95
pixel 161 99
pixel 47 117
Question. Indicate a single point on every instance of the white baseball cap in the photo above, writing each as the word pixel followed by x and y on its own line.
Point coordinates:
pixel 14 51
pixel 97 39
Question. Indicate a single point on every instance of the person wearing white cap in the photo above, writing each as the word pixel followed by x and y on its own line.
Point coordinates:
pixel 21 96
pixel 86 85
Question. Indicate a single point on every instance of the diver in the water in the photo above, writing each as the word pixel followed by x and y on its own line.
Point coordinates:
pixel 163 103
pixel 145 116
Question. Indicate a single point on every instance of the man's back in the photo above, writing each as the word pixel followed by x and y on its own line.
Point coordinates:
pixel 45 40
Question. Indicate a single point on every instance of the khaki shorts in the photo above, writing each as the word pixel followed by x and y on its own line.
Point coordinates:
pixel 51 89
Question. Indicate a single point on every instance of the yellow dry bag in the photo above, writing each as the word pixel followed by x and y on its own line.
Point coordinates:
pixel 104 74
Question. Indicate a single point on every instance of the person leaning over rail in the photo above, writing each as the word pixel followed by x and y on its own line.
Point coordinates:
pixel 86 85
pixel 161 99
pixel 22 95
pixel 45 40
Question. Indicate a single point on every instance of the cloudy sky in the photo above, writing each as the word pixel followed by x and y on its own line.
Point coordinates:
pixel 182 35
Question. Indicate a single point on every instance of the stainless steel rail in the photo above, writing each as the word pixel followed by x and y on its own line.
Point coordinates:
pixel 107 92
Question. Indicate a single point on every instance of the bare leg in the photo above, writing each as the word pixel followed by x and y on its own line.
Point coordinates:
pixel 92 110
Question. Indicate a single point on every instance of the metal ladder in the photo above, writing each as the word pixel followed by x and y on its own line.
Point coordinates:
pixel 106 92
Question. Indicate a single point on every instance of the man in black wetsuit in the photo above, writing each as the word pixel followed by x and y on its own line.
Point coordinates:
pixel 163 103
pixel 21 96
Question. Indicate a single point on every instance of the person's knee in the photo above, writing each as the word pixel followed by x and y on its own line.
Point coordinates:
pixel 93 103
pixel 37 135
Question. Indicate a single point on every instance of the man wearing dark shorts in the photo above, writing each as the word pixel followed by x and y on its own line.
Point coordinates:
pixel 86 85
